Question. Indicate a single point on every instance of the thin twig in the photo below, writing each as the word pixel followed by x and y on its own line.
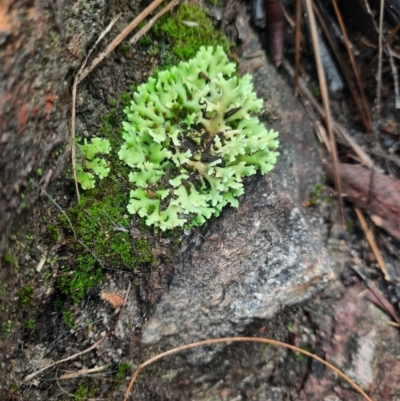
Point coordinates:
pixel 92 347
pixel 152 21
pixel 371 241
pixel 241 339
pixel 50 347
pixel 82 372
pixel 325 98
pixel 127 30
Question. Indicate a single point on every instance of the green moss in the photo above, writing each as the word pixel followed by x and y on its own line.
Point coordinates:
pixel 10 259
pixel 8 327
pixel 187 30
pixel 25 295
pixel 68 319
pixel 122 369
pixel 30 324
pixel 315 194
pixel 53 232
pixel 84 391
pixel 126 49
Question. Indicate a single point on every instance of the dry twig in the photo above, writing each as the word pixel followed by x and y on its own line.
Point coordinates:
pixel 241 339
pixel 82 372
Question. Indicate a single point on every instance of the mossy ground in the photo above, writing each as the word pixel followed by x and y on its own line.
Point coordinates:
pixel 101 222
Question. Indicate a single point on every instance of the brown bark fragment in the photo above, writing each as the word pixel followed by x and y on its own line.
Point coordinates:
pixel 379 196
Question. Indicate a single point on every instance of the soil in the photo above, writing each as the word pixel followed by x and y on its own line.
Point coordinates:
pixel 336 324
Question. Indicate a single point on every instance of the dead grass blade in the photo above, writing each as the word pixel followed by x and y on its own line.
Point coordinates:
pixel 364 104
pixel 372 243
pixel 92 347
pixel 242 339
pixel 327 109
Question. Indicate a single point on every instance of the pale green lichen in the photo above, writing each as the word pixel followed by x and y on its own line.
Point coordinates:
pixel 191 136
pixel 89 165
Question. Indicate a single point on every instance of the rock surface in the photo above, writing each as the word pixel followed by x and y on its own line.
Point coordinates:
pixel 251 261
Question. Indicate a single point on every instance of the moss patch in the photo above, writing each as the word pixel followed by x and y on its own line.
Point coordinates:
pixel 185 30
pixel 25 295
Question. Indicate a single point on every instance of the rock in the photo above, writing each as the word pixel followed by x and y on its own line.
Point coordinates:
pixel 253 260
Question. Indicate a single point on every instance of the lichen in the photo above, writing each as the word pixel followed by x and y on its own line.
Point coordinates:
pixel 191 136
